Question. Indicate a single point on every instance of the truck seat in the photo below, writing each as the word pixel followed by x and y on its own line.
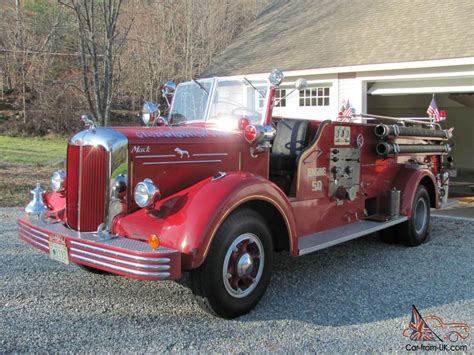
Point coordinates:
pixel 289 142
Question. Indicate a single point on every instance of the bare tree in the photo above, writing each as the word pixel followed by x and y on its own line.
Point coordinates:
pixel 99 47
pixel 60 58
pixel 23 42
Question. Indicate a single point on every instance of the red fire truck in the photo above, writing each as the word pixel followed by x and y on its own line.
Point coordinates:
pixel 219 185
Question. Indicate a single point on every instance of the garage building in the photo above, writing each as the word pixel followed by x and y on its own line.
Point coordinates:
pixel 384 57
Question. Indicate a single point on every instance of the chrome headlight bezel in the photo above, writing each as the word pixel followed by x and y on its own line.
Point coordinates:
pixel 150 113
pixel 145 193
pixel 276 77
pixel 57 181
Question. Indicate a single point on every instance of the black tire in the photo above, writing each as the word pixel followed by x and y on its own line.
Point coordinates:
pixel 240 244
pixel 389 235
pixel 415 231
pixel 93 270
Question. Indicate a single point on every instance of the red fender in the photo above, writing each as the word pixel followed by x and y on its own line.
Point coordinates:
pixel 407 182
pixel 188 220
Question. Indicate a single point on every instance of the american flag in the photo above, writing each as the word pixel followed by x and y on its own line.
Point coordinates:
pixel 433 111
pixel 346 112
pixel 348 109
pixel 419 329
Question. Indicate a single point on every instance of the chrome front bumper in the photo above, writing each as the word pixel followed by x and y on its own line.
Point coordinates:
pixel 122 256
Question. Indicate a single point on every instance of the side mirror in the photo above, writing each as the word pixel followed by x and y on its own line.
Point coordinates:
pixel 168 92
pixel 301 84
pixel 150 113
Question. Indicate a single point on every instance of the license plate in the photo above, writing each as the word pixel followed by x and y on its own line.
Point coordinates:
pixel 453 173
pixel 58 249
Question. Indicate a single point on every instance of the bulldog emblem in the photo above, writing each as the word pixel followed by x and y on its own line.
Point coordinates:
pixel 181 152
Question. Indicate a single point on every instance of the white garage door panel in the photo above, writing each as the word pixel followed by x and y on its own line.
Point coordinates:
pixel 422 86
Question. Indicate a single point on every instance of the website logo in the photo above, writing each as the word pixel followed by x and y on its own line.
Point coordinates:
pixel 432 328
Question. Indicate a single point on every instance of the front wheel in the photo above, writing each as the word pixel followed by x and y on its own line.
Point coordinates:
pixel 415 231
pixel 237 269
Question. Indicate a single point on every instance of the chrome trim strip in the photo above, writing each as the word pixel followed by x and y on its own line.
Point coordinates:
pixel 108 193
pixel 120 261
pixel 131 177
pixel 337 239
pixel 156 156
pixel 34 236
pixel 24 226
pixel 209 154
pixel 123 269
pixel 210 99
pixel 45 247
pixel 182 162
pixel 117 253
pixel 219 176
pixel 79 193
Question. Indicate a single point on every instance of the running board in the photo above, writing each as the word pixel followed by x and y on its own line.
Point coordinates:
pixel 342 234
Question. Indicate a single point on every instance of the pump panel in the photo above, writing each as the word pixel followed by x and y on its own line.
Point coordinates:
pixel 344 170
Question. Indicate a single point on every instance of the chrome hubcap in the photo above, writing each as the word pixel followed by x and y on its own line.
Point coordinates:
pixel 420 215
pixel 243 265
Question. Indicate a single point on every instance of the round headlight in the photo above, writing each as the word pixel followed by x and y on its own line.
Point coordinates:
pixel 57 180
pixel 146 193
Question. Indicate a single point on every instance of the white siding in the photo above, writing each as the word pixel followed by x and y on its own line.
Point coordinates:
pixel 293 108
pixel 351 83
pixel 353 89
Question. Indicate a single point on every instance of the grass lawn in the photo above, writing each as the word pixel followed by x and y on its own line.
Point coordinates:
pixel 17 150
pixel 25 161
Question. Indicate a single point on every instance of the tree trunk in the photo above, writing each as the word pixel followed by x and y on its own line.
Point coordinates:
pixel 97 28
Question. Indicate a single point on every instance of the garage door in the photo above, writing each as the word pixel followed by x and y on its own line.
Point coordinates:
pixel 451 85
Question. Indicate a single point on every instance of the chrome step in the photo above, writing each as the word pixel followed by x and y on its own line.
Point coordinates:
pixel 328 238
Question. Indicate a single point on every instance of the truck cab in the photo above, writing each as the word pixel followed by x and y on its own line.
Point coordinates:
pixel 219 185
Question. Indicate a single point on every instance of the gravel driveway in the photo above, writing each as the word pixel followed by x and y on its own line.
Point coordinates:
pixel 353 297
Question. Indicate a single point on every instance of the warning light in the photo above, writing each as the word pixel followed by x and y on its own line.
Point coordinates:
pixel 442 115
pixel 250 133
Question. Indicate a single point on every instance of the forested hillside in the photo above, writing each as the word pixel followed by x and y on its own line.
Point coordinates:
pixel 61 59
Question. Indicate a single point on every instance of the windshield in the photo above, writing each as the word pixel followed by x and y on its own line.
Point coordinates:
pixel 190 102
pixel 236 98
pixel 223 102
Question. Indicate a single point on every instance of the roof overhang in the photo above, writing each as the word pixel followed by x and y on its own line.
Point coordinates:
pixel 374 67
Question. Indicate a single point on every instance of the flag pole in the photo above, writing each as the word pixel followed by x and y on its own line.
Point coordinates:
pixel 431 116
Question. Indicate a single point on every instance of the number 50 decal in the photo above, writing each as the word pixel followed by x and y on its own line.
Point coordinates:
pixel 317 185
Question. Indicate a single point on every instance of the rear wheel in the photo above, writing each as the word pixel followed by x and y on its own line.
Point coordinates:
pixel 237 269
pixel 389 235
pixel 415 231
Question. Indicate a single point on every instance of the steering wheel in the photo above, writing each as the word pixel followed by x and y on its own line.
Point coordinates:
pixel 244 111
pixel 298 145
pixel 176 118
